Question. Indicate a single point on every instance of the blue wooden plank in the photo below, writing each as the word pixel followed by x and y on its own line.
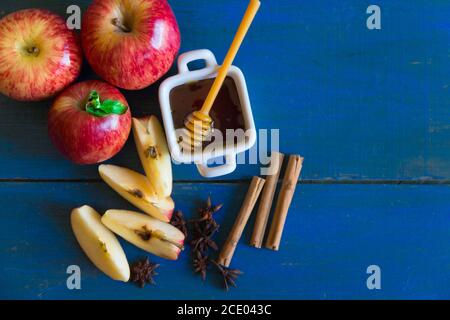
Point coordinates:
pixel 333 233
pixel 360 104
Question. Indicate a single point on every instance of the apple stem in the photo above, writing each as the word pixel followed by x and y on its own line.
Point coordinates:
pixel 105 108
pixel 120 25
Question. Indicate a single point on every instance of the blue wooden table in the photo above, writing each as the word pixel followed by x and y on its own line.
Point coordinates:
pixel 368 109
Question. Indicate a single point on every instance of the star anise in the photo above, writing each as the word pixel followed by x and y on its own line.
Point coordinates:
pixel 200 264
pixel 179 222
pixel 229 275
pixel 142 272
pixel 203 243
pixel 207 213
pixel 204 229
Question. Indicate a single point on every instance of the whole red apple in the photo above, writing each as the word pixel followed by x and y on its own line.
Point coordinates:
pixel 130 44
pixel 39 55
pixel 89 122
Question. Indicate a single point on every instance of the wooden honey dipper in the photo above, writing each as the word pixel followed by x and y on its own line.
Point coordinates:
pixel 198 124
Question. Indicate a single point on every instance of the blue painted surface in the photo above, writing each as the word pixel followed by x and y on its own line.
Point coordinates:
pixel 361 106
pixel 334 232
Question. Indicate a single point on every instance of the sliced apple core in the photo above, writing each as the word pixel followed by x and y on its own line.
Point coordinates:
pixel 154 153
pixel 145 232
pixel 136 188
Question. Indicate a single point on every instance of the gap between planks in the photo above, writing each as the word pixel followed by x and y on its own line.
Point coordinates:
pixel 242 181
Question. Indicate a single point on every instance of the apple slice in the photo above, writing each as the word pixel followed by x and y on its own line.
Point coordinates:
pixel 152 148
pixel 136 188
pixel 147 233
pixel 99 243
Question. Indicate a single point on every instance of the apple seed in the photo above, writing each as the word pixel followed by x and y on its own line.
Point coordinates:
pixel 137 193
pixel 152 152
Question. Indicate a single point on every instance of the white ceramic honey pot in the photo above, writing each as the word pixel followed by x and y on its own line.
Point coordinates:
pixel 228 152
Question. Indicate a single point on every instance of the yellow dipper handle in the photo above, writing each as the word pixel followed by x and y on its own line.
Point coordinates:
pixel 238 38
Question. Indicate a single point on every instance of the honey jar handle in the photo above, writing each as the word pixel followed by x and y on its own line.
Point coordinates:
pixel 194 55
pixel 250 14
pixel 217 171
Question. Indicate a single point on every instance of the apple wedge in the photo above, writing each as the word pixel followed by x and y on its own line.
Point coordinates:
pixel 145 232
pixel 152 148
pixel 99 243
pixel 136 188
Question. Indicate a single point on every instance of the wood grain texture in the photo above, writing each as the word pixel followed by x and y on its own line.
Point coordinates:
pixel 327 244
pixel 363 104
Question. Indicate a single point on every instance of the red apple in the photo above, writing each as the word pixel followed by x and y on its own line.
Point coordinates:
pixel 39 55
pixel 130 44
pixel 89 130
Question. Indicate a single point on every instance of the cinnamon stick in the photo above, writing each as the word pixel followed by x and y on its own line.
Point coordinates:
pixel 284 201
pixel 226 254
pixel 262 216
